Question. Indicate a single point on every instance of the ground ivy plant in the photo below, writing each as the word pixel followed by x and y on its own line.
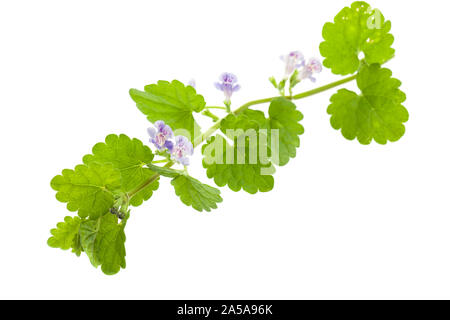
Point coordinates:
pixel 242 147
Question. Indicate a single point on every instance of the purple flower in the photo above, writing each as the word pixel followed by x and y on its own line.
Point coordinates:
pixel 192 83
pixel 227 85
pixel 293 60
pixel 161 135
pixel 182 149
pixel 313 66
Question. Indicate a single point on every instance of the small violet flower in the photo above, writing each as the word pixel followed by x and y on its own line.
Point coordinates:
pixel 161 135
pixel 182 149
pixel 227 85
pixel 313 66
pixel 293 60
pixel 192 83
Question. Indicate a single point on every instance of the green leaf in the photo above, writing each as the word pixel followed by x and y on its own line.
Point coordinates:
pixel 376 114
pixel 248 119
pixel 103 240
pixel 66 235
pixel 284 116
pixel 166 172
pixel 171 102
pixel 355 30
pixel 273 82
pixel 196 194
pixel 191 191
pixel 88 189
pixel 247 163
pixel 251 175
pixel 129 156
pixel 76 247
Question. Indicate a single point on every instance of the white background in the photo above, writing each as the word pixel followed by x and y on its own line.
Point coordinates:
pixel 343 221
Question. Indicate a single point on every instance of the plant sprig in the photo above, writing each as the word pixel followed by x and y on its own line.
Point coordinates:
pixel 240 150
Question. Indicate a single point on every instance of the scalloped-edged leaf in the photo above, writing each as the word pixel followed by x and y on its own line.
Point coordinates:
pixel 66 235
pixel 196 194
pixel 103 240
pixel 192 192
pixel 88 189
pixel 356 29
pixel 251 175
pixel 284 117
pixel 377 114
pixel 248 119
pixel 172 102
pixel 129 156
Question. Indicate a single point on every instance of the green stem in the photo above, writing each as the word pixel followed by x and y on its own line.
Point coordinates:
pixel 202 138
pixel 214 107
pixel 207 134
pixel 227 105
pixel 208 113
pixel 324 88
pixel 148 182
pixel 298 96
pixel 160 161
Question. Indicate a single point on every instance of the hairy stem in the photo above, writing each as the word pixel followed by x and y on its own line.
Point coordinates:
pixel 202 138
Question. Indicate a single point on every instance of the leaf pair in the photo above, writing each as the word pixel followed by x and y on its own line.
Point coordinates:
pixel 114 167
pixel 377 113
pixel 247 163
pixel 102 239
